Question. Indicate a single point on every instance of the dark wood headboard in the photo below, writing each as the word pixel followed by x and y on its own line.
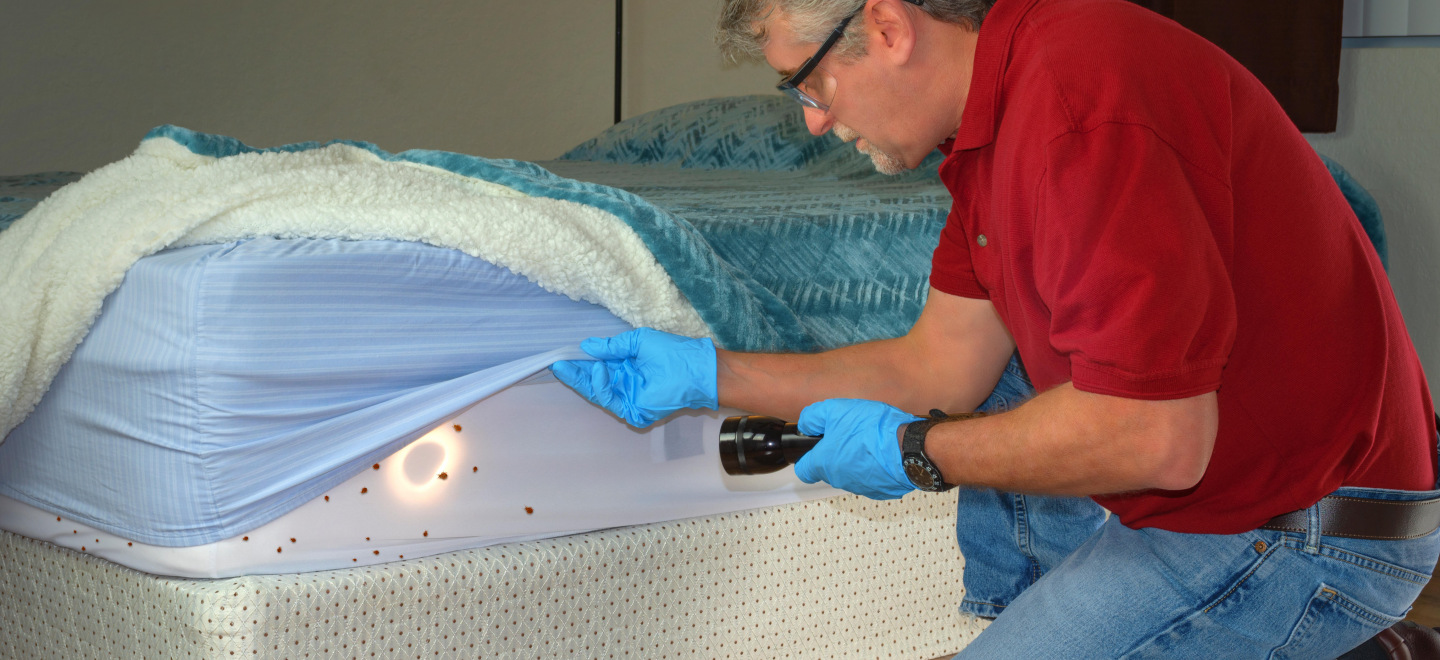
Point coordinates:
pixel 1293 46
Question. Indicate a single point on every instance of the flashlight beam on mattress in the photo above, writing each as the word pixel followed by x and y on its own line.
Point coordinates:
pixel 419 465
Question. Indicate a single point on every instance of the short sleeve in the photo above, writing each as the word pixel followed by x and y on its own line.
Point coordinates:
pixel 950 267
pixel 1132 259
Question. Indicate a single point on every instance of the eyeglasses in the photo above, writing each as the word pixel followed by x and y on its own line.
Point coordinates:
pixel 818 90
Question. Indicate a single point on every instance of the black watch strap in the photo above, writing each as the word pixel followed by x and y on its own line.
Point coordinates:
pixel 922 471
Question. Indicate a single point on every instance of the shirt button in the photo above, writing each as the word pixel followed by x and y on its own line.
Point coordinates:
pixel 982 240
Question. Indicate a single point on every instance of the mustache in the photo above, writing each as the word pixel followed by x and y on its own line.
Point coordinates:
pixel 885 162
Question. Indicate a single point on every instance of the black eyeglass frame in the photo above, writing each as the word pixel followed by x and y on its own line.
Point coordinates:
pixel 791 85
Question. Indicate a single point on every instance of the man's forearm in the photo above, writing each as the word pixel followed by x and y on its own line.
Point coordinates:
pixel 781 385
pixel 951 359
pixel 1069 442
pixel 893 371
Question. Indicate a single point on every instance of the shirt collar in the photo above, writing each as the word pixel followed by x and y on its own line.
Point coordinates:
pixel 992 53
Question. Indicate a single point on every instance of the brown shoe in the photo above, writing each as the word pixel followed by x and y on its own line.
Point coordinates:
pixel 1406 640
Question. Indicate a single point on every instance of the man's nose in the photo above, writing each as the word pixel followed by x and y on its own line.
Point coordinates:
pixel 818 121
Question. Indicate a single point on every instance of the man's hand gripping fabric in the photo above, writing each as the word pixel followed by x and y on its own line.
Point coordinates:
pixel 861 448
pixel 643 375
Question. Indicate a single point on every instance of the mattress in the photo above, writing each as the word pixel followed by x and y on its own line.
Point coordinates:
pixel 292 357
pixel 482 478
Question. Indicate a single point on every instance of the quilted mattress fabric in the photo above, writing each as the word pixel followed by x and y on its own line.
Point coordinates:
pixel 843 577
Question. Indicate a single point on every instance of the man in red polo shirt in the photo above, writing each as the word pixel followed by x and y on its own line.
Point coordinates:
pixel 1220 360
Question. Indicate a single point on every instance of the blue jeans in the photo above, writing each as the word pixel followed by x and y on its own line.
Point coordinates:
pixel 1010 540
pixel 1066 591
pixel 1149 593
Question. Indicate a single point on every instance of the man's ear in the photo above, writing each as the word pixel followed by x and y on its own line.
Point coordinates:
pixel 891 28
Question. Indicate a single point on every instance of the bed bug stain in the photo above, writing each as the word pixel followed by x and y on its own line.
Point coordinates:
pixel 292 539
pixel 529 511
pixel 364 490
pixel 427 533
pixel 443 476
pixel 475 469
pixel 277 550
pixel 457 427
pixel 130 544
pixel 245 539
pixel 377 552
pixel 327 498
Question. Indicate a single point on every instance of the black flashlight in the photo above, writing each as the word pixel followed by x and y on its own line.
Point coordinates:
pixel 756 444
pixel 760 445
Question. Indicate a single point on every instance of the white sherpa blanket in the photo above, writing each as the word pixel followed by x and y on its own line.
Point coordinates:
pixel 59 262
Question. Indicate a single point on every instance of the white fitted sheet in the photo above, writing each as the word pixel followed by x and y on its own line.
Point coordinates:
pixel 530 462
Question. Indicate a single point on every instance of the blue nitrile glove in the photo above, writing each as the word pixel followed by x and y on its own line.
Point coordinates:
pixel 861 449
pixel 643 375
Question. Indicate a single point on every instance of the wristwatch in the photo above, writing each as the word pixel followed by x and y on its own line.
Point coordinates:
pixel 918 466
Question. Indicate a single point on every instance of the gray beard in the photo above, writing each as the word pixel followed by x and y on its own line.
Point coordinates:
pixel 885 163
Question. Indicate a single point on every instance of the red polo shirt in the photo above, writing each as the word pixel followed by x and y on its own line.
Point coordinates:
pixel 1149 224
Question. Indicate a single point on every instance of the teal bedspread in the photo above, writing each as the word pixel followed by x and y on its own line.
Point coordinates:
pixel 781 240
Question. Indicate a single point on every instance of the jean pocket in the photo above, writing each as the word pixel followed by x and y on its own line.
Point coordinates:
pixel 1332 624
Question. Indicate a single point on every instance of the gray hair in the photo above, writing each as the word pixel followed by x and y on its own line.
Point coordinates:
pixel 742 31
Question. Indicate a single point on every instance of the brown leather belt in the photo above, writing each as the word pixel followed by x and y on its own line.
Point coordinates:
pixel 1357 518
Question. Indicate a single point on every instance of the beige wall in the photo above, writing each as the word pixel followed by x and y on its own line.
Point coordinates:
pixel 83 81
pixel 1389 139
pixel 670 57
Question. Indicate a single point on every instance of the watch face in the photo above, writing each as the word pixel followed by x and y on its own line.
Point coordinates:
pixel 918 474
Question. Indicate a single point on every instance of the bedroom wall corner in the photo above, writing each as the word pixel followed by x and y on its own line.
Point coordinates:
pixel 1389 139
